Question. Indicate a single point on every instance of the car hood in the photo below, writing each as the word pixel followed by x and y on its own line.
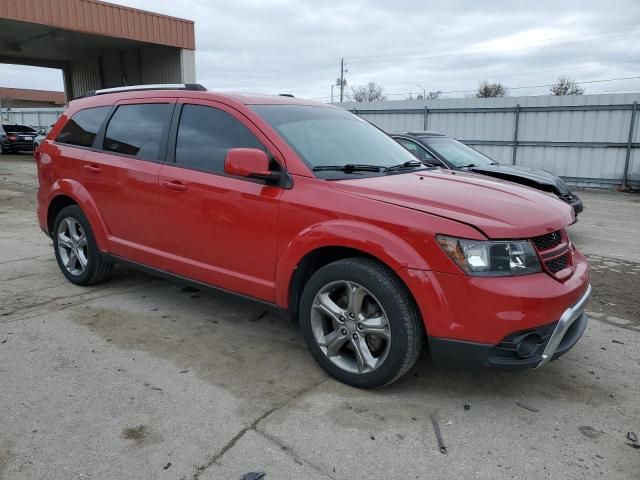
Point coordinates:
pixel 519 174
pixel 498 209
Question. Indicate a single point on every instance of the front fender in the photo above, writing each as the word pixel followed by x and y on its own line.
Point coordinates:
pixel 377 242
pixel 74 190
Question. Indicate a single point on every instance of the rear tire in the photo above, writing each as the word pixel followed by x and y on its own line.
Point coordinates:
pixel 360 323
pixel 76 249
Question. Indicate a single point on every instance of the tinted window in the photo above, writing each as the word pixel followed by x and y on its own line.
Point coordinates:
pixel 205 134
pixel 82 128
pixel 137 130
pixel 17 128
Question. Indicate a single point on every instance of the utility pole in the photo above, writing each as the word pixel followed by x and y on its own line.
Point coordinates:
pixel 341 80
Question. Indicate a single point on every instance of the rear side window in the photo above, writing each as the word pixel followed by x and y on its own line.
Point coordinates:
pixel 137 130
pixel 206 134
pixel 82 128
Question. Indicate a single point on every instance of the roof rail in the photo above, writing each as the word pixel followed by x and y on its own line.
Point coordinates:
pixel 135 88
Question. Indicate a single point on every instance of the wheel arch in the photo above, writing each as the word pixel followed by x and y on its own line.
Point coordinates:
pixel 69 192
pixel 305 256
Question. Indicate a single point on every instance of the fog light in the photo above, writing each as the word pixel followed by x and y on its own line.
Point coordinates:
pixel 528 345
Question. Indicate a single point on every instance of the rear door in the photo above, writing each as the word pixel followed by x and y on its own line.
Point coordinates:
pixel 121 174
pixel 217 228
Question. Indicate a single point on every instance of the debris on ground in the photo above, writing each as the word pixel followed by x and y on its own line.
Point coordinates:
pixel 617 341
pixel 253 476
pixel 259 316
pixel 184 371
pixel 467 406
pixel 166 467
pixel 633 440
pixel 527 407
pixel 589 431
pixel 436 428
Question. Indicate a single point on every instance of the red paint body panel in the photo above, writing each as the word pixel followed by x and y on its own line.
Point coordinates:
pixel 466 198
pixel 249 237
pixel 485 309
pixel 220 230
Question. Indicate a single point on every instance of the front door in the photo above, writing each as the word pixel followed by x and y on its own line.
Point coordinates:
pixel 217 228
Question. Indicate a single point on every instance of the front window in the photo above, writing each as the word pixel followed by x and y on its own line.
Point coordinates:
pixel 326 137
pixel 456 153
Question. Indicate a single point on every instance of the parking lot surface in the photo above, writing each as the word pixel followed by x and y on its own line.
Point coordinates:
pixel 143 378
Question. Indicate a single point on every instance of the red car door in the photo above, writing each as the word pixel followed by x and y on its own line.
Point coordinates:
pixel 121 175
pixel 217 228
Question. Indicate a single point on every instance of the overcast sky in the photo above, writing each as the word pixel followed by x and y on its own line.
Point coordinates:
pixel 277 46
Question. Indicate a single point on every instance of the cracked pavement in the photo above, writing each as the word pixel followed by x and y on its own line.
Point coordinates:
pixel 142 378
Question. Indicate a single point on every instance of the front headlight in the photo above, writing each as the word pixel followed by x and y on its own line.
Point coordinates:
pixel 491 258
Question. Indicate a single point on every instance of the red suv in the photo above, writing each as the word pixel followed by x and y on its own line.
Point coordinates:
pixel 309 208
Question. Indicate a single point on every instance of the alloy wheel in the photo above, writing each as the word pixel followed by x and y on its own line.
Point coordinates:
pixel 350 327
pixel 72 246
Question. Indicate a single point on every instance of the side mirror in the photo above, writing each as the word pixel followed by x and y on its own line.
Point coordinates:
pixel 250 163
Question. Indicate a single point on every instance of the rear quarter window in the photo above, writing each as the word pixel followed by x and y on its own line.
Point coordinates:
pixel 82 128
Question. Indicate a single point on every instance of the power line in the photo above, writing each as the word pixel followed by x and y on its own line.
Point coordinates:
pixel 464 53
pixel 531 45
pixel 563 68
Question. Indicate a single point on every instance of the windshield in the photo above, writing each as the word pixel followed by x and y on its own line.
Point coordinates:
pixel 456 153
pixel 326 137
pixel 17 128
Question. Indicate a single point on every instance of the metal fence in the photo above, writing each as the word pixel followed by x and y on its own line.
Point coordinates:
pixel 38 118
pixel 590 140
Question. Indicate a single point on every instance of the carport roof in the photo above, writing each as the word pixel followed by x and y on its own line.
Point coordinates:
pixel 98 18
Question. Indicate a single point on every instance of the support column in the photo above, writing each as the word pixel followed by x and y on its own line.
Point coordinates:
pixel 627 159
pixel 515 135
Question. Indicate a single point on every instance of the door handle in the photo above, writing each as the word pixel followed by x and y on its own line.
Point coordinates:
pixel 93 168
pixel 176 186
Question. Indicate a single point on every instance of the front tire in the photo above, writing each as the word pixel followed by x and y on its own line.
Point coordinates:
pixel 360 323
pixel 76 250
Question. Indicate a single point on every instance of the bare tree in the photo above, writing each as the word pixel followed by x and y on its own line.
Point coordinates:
pixel 566 86
pixel 488 89
pixel 433 95
pixel 371 92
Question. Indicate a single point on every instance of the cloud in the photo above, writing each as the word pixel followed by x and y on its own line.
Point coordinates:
pixel 276 46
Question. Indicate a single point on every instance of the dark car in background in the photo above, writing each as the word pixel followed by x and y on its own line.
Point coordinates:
pixel 40 138
pixel 15 138
pixel 440 150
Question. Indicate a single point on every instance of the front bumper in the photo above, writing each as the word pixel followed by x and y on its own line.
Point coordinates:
pixel 531 348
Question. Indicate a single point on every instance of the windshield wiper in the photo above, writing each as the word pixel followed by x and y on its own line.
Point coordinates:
pixel 405 165
pixel 471 165
pixel 348 168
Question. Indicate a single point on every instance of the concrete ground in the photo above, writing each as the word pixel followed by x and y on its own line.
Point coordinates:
pixel 141 378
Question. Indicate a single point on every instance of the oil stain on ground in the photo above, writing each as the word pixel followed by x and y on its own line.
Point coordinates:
pixel 228 342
